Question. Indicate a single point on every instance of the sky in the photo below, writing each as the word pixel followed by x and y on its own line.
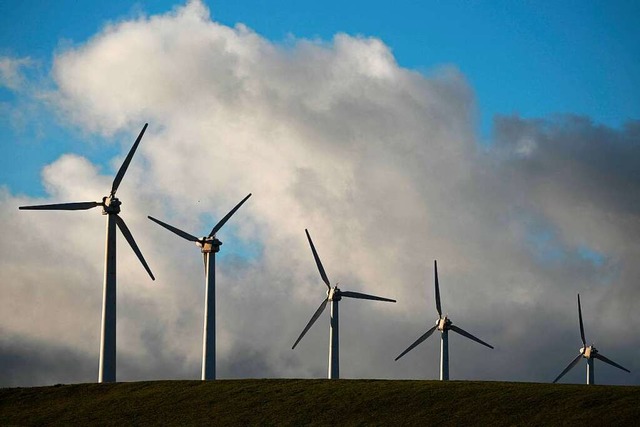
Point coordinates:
pixel 501 139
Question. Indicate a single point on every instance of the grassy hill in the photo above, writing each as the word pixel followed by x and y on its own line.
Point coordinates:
pixel 322 402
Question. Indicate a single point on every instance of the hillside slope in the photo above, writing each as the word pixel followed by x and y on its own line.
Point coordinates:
pixel 322 402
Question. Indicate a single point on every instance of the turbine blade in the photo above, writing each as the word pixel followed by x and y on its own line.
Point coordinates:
pixel 573 363
pixel 219 225
pixel 77 206
pixel 127 160
pixel 584 341
pixel 179 232
pixel 312 321
pixel 418 341
pixel 438 306
pixel 610 362
pixel 468 335
pixel 358 295
pixel 127 235
pixel 325 279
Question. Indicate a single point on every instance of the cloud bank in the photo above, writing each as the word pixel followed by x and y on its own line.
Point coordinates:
pixel 383 166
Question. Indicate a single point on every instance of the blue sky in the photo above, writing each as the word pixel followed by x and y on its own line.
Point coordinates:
pixel 529 58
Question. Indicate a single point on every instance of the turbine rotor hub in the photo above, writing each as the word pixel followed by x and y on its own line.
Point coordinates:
pixel 588 352
pixel 209 244
pixel 333 294
pixel 110 205
pixel 443 323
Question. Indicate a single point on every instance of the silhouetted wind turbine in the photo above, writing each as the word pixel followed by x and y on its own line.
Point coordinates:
pixel 110 207
pixel 590 353
pixel 209 245
pixel 444 325
pixel 334 295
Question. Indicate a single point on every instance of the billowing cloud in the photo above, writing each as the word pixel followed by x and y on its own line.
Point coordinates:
pixel 380 163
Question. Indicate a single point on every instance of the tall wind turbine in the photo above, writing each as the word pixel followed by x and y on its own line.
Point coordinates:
pixel 590 353
pixel 111 208
pixel 444 325
pixel 334 295
pixel 208 245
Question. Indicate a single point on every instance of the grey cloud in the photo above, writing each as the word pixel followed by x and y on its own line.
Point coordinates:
pixel 576 154
pixel 31 363
pixel 580 179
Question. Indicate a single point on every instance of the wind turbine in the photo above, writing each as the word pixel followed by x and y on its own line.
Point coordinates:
pixel 590 353
pixel 208 245
pixel 111 208
pixel 334 295
pixel 444 325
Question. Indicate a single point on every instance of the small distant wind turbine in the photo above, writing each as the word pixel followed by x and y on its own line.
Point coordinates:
pixel 334 295
pixel 444 325
pixel 110 207
pixel 590 353
pixel 208 245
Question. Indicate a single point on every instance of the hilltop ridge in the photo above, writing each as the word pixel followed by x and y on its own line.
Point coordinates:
pixel 320 402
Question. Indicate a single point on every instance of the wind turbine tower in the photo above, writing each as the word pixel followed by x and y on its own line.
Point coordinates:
pixel 209 245
pixel 444 325
pixel 334 295
pixel 111 208
pixel 590 353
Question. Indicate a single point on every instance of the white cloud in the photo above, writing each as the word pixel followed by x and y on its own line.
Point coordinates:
pixel 11 71
pixel 378 161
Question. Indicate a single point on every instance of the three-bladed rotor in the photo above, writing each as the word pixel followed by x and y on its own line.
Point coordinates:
pixel 587 352
pixel 110 204
pixel 333 293
pixel 207 243
pixel 443 323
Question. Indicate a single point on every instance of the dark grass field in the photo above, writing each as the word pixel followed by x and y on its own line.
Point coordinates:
pixel 320 402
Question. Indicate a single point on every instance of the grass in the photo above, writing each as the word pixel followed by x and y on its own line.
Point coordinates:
pixel 284 402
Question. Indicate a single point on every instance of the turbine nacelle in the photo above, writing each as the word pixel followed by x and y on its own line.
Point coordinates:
pixel 110 205
pixel 443 323
pixel 588 352
pixel 209 244
pixel 334 294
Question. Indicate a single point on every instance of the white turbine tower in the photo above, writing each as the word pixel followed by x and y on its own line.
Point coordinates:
pixel 444 325
pixel 209 245
pixel 334 295
pixel 111 208
pixel 588 352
